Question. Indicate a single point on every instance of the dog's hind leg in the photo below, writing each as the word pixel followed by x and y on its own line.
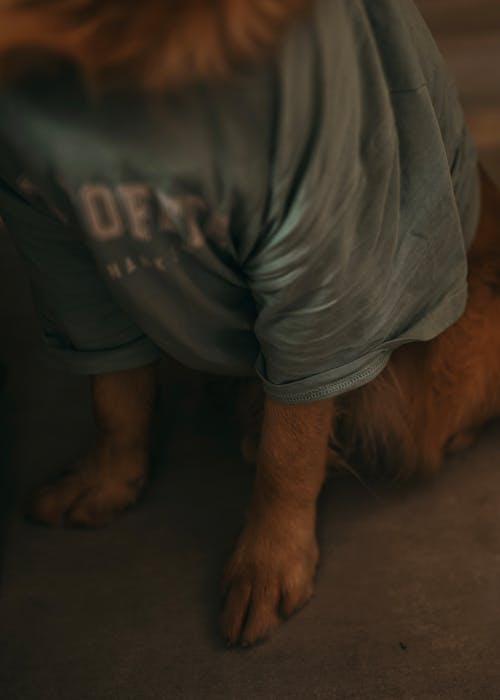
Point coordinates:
pixel 434 397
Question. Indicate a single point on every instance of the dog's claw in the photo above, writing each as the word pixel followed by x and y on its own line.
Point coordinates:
pixel 258 578
pixel 91 494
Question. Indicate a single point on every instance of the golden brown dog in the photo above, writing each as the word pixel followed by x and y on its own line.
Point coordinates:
pixel 431 399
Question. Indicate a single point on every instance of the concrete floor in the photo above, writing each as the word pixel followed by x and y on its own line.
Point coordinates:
pixel 408 592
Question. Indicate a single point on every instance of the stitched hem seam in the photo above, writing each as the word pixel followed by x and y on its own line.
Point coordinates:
pixel 363 376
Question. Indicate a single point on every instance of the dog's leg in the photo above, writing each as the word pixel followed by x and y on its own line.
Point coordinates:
pixel 464 362
pixel 110 477
pixel 272 569
pixel 433 397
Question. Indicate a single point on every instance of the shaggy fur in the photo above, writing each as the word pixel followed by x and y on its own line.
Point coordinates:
pixel 434 397
pixel 162 44
pixel 431 398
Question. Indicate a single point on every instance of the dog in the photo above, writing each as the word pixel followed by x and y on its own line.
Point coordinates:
pixel 287 184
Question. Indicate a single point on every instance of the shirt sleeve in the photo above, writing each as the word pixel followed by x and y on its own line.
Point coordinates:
pixel 361 248
pixel 349 274
pixel 320 327
pixel 84 329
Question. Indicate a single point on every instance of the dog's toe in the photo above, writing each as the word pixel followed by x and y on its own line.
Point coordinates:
pixel 51 503
pixel 264 582
pixel 91 495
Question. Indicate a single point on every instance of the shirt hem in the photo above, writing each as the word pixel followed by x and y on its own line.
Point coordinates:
pixel 101 361
pixel 287 393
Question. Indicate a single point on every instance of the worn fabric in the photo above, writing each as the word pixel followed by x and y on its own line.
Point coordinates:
pixel 300 221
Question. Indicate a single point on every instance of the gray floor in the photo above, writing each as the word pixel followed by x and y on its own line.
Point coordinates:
pixel 408 592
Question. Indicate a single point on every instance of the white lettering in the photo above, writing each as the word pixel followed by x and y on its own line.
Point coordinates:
pixel 159 263
pixel 195 237
pixel 114 271
pixel 135 197
pixel 130 266
pixel 169 213
pixel 192 207
pixel 219 229
pixel 101 212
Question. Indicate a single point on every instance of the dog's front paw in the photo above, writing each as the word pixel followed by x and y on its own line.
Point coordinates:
pixel 268 577
pixel 93 492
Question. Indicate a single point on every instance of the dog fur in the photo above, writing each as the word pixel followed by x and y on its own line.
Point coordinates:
pixel 166 44
pixel 431 399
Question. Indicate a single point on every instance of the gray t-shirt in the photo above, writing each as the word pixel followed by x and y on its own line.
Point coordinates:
pixel 301 220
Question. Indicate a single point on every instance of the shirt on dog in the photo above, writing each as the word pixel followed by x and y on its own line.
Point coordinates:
pixel 301 220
